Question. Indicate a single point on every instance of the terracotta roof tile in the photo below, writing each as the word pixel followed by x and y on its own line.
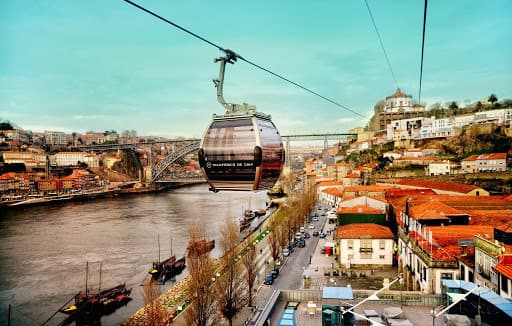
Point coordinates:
pixel 334 191
pixel 433 210
pixel 441 185
pixel 330 183
pixel 358 230
pixel 359 209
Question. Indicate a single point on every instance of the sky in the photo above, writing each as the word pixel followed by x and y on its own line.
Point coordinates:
pixel 102 65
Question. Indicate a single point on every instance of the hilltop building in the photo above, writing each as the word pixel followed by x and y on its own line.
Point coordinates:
pixel 396 107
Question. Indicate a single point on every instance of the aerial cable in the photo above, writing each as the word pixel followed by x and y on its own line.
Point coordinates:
pixel 233 55
pixel 381 43
pixel 422 49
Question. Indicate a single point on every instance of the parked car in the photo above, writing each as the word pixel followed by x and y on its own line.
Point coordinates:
pixel 323 214
pixel 298 236
pixel 286 252
pixel 302 230
pixel 315 218
pixel 321 235
pixel 268 280
pixel 274 272
pixel 322 250
pixel 307 235
pixel 302 244
pixel 315 233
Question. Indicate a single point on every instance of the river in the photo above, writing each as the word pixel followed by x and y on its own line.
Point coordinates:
pixel 44 250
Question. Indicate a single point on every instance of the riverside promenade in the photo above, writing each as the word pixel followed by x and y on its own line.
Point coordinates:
pixel 175 299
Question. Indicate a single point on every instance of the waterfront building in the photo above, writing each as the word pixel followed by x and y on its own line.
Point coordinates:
pixel 365 245
pixel 29 159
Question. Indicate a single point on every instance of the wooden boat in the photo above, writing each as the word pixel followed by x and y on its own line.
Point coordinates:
pixel 168 268
pixel 99 303
pixel 196 248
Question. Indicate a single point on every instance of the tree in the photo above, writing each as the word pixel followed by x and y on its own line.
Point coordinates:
pixel 453 105
pixel 202 310
pixel 249 262
pixel 273 241
pixel 493 99
pixel 230 291
pixel 6 125
pixel 154 312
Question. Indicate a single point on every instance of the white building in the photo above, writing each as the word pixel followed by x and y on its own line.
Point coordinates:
pixel 404 129
pixel 74 158
pixel 443 168
pixel 437 128
pixel 56 138
pixel 365 245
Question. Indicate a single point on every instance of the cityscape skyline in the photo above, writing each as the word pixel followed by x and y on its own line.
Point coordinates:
pixel 101 66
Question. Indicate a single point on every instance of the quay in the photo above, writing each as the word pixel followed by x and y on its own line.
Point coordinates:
pixel 96 193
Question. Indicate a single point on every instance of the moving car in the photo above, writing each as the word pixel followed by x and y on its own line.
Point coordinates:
pixel 315 234
pixel 321 235
pixel 302 244
pixel 307 235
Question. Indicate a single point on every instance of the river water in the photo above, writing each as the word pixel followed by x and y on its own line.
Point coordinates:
pixel 44 250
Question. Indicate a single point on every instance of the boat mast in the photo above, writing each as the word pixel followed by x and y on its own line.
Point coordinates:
pixel 99 286
pixel 86 275
pixel 159 250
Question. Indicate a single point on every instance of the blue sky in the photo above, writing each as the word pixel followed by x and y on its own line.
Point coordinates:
pixel 102 65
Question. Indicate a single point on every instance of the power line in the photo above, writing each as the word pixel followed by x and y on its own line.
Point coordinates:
pixel 231 53
pixel 381 43
pixel 422 48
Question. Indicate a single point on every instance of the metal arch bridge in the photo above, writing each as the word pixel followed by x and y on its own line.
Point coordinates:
pixel 183 147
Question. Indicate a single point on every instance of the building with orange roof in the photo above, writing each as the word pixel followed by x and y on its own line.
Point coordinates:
pixel 468 164
pixel 429 255
pixel 494 162
pixel 331 196
pixel 365 245
pixel 503 270
pixel 362 210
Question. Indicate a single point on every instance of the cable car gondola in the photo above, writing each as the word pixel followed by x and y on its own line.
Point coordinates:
pixel 242 149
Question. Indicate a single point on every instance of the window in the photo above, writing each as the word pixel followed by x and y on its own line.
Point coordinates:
pixel 366 245
pixel 350 244
pixel 447 276
pixel 381 257
pixel 382 244
pixel 504 283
